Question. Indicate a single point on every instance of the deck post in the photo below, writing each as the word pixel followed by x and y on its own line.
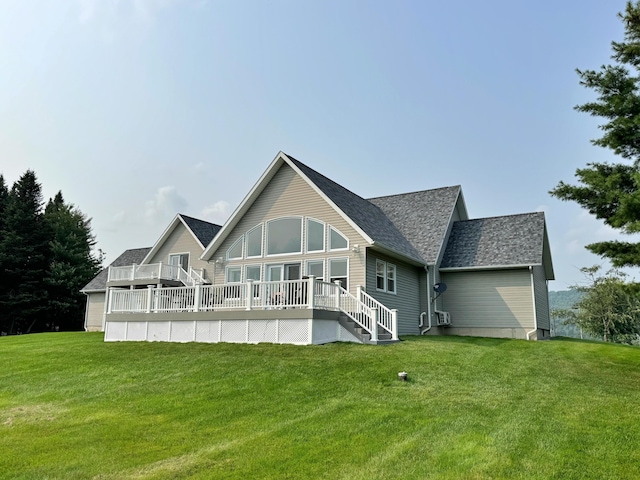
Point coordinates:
pixel 338 285
pixel 374 324
pixel 149 297
pixel 133 271
pixel 109 299
pixel 394 324
pixel 196 297
pixel 311 292
pixel 249 295
pixel 359 290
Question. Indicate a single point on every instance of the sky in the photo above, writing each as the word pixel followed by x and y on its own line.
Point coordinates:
pixel 140 109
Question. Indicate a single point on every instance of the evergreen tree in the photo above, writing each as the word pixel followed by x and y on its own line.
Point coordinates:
pixel 4 193
pixel 611 192
pixel 72 263
pixel 24 258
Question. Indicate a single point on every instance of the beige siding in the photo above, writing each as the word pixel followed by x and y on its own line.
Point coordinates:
pixel 94 312
pixel 287 194
pixel 181 241
pixel 542 298
pixel 489 299
pixel 407 297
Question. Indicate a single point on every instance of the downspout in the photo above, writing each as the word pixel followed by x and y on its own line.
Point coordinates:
pixel 535 314
pixel 428 312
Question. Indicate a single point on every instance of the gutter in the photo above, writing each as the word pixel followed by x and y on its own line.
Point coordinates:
pixel 428 312
pixel 535 314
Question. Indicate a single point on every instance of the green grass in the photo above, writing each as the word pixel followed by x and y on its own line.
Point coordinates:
pixel 72 406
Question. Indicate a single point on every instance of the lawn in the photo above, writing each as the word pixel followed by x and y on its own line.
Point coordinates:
pixel 72 406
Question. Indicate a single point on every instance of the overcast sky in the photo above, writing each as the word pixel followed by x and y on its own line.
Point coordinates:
pixel 140 109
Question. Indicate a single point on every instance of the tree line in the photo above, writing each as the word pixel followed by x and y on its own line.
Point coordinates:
pixel 46 257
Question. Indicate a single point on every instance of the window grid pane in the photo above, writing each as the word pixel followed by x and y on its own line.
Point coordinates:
pixel 284 235
pixel 254 242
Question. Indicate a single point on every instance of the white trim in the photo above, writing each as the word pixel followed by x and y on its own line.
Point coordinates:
pixel 306 235
pixel 271 255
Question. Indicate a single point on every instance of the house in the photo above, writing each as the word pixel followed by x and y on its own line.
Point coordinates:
pixel 304 260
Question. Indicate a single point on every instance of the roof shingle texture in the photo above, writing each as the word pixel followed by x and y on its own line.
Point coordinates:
pixel 422 217
pixel 496 241
pixel 204 231
pixel 369 217
pixel 129 257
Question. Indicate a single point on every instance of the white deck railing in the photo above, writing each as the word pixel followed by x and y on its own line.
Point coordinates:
pixel 154 271
pixel 367 312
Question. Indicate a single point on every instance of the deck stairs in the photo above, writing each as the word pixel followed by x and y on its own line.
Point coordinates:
pixel 361 334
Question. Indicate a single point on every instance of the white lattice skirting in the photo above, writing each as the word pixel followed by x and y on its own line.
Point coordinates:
pixel 291 331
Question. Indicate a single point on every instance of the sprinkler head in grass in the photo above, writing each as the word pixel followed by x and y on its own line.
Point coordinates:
pixel 402 376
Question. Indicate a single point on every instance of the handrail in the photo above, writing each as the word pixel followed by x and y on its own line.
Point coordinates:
pixel 385 314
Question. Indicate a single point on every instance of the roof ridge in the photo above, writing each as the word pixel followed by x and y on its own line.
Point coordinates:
pixel 416 191
pixel 501 216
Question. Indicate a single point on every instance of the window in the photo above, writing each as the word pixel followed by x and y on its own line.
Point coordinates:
pixel 254 242
pixel 338 270
pixel 385 276
pixel 284 235
pixel 337 241
pixel 315 236
pixel 381 274
pixel 235 251
pixel 180 260
pixel 391 278
pixel 252 272
pixel 234 274
pixel 316 268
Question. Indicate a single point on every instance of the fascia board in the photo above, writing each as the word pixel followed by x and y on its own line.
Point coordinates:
pixel 489 267
pixel 241 209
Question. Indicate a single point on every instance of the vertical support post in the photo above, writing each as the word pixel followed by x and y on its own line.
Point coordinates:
pixel 338 285
pixel 249 295
pixel 394 324
pixel 197 294
pixel 109 299
pixel 133 271
pixel 374 324
pixel 359 290
pixel 149 297
pixel 311 292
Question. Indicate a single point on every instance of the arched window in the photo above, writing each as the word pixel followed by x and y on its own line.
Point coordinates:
pixel 337 241
pixel 315 235
pixel 235 251
pixel 254 242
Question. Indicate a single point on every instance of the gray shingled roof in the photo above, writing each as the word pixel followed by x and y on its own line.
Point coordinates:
pixel 129 257
pixel 422 217
pixel 369 217
pixel 205 231
pixel 496 241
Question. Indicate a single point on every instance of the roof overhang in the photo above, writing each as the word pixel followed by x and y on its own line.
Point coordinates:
pixel 488 267
pixel 378 247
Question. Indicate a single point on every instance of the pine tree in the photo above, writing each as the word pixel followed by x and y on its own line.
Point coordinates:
pixel 72 263
pixel 611 192
pixel 24 258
